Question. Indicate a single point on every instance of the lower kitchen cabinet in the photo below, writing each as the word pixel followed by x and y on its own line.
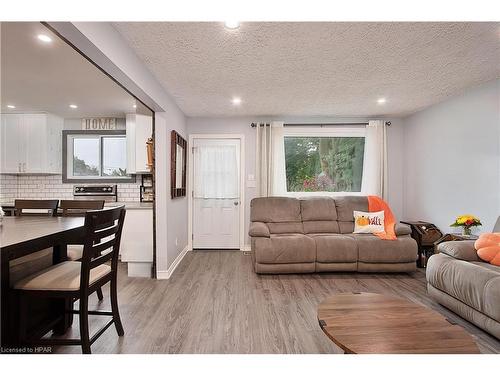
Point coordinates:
pixel 136 247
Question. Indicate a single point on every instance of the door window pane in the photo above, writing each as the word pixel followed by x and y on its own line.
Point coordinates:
pixel 332 164
pixel 86 156
pixel 216 174
pixel 114 156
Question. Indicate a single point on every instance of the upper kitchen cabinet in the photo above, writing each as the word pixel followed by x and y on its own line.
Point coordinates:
pixel 31 143
pixel 139 130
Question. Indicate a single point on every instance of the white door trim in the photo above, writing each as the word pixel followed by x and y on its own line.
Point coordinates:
pixel 192 137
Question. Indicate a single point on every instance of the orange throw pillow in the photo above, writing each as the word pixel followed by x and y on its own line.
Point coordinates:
pixel 488 248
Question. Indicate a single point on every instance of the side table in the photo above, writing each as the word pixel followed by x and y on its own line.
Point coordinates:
pixel 425 234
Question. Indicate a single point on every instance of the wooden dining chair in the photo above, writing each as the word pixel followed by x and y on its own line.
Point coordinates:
pixel 80 208
pixel 78 280
pixel 43 207
pixel 28 264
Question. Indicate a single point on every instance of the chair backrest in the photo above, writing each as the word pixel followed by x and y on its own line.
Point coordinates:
pixel 102 241
pixel 496 228
pixel 80 207
pixel 47 206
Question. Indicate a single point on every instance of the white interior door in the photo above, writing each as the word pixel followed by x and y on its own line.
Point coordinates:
pixel 216 194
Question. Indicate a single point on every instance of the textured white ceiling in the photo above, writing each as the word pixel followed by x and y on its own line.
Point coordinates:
pixel 315 69
pixel 48 77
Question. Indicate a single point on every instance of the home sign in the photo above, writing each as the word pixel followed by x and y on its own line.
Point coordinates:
pixel 104 123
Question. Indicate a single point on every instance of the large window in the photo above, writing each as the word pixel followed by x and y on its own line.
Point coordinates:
pixel 324 160
pixel 93 156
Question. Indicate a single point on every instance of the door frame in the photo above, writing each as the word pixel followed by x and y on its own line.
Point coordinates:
pixel 190 186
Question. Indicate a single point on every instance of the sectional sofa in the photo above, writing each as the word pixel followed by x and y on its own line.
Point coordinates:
pixel 459 280
pixel 290 235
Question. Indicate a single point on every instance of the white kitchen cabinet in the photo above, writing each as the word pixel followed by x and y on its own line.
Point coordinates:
pixel 11 134
pixel 136 247
pixel 31 143
pixel 139 129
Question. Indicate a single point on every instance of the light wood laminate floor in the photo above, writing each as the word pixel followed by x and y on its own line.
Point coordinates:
pixel 215 303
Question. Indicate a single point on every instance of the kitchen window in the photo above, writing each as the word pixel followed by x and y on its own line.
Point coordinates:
pixel 93 156
pixel 326 160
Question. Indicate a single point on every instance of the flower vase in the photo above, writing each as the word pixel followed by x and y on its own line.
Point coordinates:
pixel 467 231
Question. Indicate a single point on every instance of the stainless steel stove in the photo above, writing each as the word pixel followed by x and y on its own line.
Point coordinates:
pixel 109 193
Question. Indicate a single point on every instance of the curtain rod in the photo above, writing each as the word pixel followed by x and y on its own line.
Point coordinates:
pixel 388 123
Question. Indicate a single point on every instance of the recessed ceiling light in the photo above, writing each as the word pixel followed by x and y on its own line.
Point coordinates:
pixel 381 101
pixel 44 38
pixel 11 106
pixel 135 105
pixel 236 101
pixel 232 24
pixel 73 106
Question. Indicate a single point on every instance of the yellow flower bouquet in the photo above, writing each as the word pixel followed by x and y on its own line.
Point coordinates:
pixel 466 222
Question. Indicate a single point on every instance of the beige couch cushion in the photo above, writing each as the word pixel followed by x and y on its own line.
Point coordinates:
pixel 476 284
pixel 282 215
pixel 345 208
pixel 402 229
pixel 258 229
pixel 285 228
pixel 315 209
pixel 63 276
pixel 275 210
pixel 319 215
pixel 459 249
pixel 284 248
pixel 372 249
pixel 335 248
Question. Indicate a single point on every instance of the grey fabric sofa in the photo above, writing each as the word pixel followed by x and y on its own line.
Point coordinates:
pixel 460 281
pixel 291 235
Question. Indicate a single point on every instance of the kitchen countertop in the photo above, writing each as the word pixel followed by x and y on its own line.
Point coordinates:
pixel 131 205
pixel 128 205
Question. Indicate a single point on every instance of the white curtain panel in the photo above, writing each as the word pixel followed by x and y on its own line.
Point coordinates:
pixel 374 181
pixel 270 159
pixel 217 174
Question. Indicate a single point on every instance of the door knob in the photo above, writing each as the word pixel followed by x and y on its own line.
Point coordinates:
pixel 236 203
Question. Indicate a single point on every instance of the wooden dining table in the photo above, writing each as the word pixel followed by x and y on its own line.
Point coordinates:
pixel 23 235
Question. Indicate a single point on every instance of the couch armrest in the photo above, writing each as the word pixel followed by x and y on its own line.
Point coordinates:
pixel 463 250
pixel 258 229
pixel 402 229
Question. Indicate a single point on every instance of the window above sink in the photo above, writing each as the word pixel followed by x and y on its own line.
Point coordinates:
pixel 95 156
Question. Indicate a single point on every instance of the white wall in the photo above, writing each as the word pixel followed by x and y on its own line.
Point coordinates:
pixel 452 159
pixel 241 125
pixel 171 216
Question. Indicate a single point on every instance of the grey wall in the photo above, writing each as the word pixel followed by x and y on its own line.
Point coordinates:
pixel 451 153
pixel 241 125
pixel 177 209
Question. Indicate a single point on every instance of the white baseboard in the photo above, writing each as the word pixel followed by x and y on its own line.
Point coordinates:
pixel 166 274
pixel 162 275
pixel 247 247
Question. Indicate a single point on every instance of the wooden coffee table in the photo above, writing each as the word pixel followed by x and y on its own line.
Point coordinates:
pixel 374 323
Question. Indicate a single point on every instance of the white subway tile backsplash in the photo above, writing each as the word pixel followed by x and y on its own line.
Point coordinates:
pixel 37 187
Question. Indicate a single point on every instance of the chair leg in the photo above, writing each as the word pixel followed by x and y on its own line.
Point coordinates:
pixel 22 318
pixel 84 325
pixel 114 307
pixel 99 294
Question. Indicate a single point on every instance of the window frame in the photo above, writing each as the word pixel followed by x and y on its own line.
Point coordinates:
pixel 67 151
pixel 321 132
